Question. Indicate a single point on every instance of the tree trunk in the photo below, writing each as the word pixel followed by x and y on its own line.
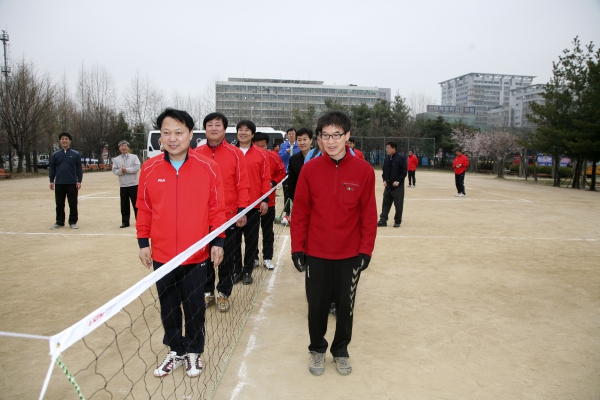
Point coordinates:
pixel 10 162
pixel 35 157
pixel 19 162
pixel 593 182
pixel 577 173
pixel 501 167
pixel 555 172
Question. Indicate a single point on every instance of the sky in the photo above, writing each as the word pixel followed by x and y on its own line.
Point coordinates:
pixel 408 46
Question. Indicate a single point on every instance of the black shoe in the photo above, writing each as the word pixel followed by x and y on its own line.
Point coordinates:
pixel 237 277
pixel 124 226
pixel 247 280
pixel 333 310
pixel 396 225
pixel 381 223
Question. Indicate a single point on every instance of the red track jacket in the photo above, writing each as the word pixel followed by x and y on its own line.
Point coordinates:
pixel 232 164
pixel 176 209
pixel 335 214
pixel 413 161
pixel 277 173
pixel 259 173
pixel 462 159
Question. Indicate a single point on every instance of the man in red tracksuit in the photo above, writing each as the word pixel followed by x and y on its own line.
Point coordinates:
pixel 266 221
pixel 259 177
pixel 412 162
pixel 460 164
pixel 179 201
pixel 232 164
pixel 333 235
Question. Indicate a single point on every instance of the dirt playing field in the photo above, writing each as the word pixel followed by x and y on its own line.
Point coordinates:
pixel 491 296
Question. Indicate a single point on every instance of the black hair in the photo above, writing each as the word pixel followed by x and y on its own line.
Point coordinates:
pixel 351 140
pixel 178 115
pixel 258 136
pixel 290 129
pixel 248 124
pixel 304 131
pixel 393 145
pixel 333 118
pixel 215 115
pixel 67 134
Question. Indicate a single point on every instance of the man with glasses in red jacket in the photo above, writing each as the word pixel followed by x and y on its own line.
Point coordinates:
pixel 333 235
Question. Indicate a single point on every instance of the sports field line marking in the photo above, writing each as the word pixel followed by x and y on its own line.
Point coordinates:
pixel 101 197
pixel 91 194
pixel 503 195
pixel 66 234
pixel 463 199
pixel 489 237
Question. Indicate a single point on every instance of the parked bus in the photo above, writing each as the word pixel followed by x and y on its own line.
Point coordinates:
pixel 153 148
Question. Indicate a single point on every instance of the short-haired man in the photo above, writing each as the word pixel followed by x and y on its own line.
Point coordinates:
pixel 286 150
pixel 180 202
pixel 66 175
pixel 333 235
pixel 460 164
pixel 259 177
pixel 304 139
pixel 412 162
pixel 351 143
pixel 393 174
pixel 232 164
pixel 266 221
pixel 126 167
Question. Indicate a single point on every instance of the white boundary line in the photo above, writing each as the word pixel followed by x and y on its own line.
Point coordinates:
pixel 66 234
pixel 468 199
pixel 89 195
pixel 530 238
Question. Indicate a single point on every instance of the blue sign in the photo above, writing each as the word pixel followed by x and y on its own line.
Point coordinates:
pixel 424 160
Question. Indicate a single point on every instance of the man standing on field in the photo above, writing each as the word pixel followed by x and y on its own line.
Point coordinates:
pixel 333 235
pixel 412 161
pixel 460 164
pixel 65 179
pixel 180 201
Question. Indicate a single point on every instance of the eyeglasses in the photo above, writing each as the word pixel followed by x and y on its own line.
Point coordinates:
pixel 334 136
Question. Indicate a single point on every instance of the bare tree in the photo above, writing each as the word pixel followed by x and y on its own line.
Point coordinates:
pixel 25 102
pixel 418 102
pixel 96 108
pixel 142 102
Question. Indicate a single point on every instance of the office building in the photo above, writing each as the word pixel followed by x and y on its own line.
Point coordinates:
pixel 520 104
pixel 272 102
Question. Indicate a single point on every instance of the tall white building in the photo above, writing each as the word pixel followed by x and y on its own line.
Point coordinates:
pixel 520 104
pixel 483 91
pixel 271 102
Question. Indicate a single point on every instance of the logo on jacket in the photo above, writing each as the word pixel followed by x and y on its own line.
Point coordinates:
pixel 162 180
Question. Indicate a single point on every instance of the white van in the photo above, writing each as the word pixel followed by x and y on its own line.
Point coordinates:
pixel 275 137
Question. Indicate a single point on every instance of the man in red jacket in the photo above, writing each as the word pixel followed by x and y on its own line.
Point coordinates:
pixel 266 221
pixel 351 143
pixel 179 201
pixel 259 177
pixel 460 164
pixel 333 235
pixel 232 164
pixel 412 161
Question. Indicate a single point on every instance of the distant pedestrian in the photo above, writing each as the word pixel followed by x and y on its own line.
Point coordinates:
pixel 350 142
pixel 286 150
pixel 460 164
pixel 412 161
pixel 394 172
pixel 66 175
pixel 126 167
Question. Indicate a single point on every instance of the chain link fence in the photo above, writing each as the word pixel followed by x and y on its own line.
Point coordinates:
pixel 373 148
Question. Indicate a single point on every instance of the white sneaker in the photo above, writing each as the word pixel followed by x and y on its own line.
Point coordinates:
pixel 193 364
pixel 284 221
pixel 171 362
pixel 459 195
pixel 256 263
pixel 268 264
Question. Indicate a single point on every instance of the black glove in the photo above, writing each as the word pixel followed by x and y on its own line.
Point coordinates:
pixel 363 261
pixel 299 260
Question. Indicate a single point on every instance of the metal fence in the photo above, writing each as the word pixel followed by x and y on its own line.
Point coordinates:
pixel 373 148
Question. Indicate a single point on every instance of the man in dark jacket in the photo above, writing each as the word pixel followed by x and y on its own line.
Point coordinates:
pixel 394 172
pixel 65 179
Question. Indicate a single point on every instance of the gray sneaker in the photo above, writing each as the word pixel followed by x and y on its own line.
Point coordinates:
pixel 343 365
pixel 317 363
pixel 74 226
pixel 57 226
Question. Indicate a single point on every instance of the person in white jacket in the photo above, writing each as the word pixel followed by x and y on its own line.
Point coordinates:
pixel 127 166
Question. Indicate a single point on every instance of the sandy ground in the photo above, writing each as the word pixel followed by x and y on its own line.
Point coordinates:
pixel 491 296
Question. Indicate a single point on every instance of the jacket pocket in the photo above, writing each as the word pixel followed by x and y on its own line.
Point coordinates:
pixel 350 193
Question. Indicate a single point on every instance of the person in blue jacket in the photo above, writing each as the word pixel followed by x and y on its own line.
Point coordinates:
pixel 287 149
pixel 66 175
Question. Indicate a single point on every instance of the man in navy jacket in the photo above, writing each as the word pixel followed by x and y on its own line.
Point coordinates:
pixel 65 179
pixel 394 172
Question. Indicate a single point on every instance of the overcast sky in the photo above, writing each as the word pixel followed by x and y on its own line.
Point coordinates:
pixel 408 46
